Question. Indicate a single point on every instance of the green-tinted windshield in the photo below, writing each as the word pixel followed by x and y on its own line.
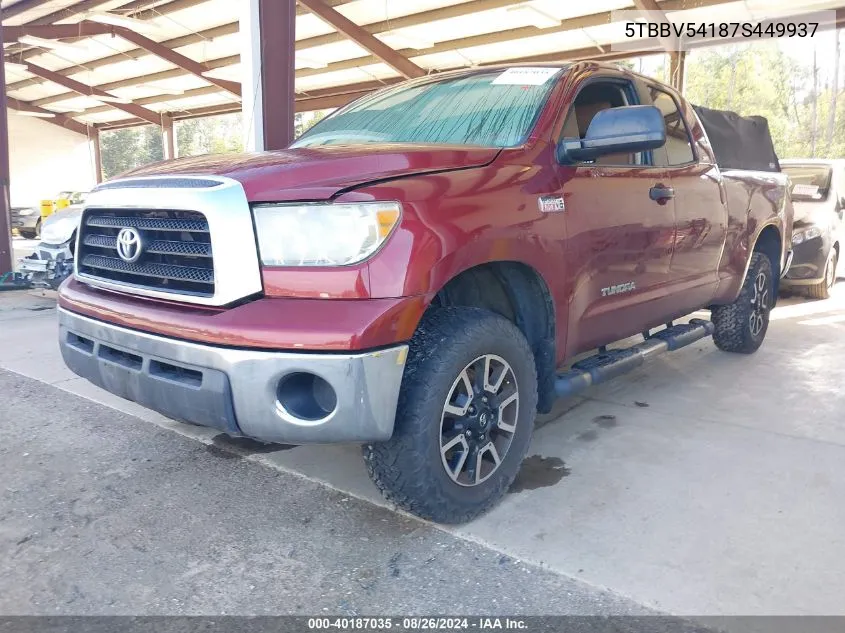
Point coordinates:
pixel 809 181
pixel 490 109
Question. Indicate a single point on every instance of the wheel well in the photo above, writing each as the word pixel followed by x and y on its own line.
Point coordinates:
pixel 769 243
pixel 518 293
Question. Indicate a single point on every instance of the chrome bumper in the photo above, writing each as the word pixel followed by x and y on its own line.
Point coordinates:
pixel 237 390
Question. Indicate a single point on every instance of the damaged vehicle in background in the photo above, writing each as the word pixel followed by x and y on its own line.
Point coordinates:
pixel 818 194
pixel 52 260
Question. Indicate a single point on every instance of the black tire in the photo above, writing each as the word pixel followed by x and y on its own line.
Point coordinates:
pixel 33 234
pixel 735 331
pixel 408 468
pixel 822 289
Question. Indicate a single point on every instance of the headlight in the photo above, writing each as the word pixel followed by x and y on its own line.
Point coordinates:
pixel 806 234
pixel 26 211
pixel 812 232
pixel 322 234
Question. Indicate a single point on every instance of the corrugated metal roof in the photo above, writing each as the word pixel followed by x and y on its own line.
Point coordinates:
pixel 434 34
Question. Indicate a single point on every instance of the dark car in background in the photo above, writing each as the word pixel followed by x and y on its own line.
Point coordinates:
pixel 818 194
pixel 27 220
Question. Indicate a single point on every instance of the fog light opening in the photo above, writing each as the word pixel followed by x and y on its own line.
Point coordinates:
pixel 306 396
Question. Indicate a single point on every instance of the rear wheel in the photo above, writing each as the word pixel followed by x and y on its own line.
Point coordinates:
pixel 464 419
pixel 741 326
pixel 31 234
pixel 822 289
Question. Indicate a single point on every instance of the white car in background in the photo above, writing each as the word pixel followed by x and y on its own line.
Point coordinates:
pixel 52 260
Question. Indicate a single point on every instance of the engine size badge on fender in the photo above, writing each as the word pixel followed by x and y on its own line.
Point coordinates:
pixel 551 204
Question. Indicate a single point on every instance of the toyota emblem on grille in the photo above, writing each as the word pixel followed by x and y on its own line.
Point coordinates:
pixel 129 245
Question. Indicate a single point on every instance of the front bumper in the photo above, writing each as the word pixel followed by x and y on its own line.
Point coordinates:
pixel 808 262
pixel 236 390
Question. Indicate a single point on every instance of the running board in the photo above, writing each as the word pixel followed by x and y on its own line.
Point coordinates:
pixel 609 364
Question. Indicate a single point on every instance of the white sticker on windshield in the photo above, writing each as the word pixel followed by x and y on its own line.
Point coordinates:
pixel 525 76
pixel 810 191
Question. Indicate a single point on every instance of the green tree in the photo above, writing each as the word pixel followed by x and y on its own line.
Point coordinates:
pixel 126 149
pixel 805 114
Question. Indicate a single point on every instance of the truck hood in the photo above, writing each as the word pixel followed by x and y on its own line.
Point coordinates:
pixel 318 173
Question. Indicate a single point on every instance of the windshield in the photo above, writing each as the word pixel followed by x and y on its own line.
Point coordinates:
pixel 809 182
pixel 491 109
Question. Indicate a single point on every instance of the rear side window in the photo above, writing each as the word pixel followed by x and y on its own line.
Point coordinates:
pixel 678 142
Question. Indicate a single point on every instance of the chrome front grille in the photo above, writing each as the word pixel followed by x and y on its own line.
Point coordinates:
pixel 176 252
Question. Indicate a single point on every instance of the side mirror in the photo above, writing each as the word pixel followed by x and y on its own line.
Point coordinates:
pixel 627 129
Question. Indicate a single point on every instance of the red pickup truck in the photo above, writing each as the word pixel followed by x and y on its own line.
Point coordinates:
pixel 419 269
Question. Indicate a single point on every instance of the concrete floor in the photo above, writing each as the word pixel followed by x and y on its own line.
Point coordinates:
pixel 702 484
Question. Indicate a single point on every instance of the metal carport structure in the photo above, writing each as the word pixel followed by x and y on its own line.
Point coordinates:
pixel 92 65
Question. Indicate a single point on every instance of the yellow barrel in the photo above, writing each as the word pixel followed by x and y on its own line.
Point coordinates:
pixel 62 203
pixel 46 208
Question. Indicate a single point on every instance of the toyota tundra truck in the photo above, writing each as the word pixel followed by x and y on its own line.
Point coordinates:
pixel 417 272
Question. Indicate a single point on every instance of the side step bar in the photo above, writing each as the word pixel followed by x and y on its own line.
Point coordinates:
pixel 609 364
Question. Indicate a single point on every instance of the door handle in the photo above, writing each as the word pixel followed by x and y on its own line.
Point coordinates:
pixel 661 194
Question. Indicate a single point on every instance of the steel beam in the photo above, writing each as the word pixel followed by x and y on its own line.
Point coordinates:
pixel 58 31
pixel 509 35
pixel 678 70
pixel 5 205
pixel 19 7
pixel 61 120
pixel 94 144
pixel 316 100
pixel 177 59
pixel 277 32
pixel 178 42
pixel 366 40
pixel 72 11
pixel 134 81
pixel 168 137
pixel 89 91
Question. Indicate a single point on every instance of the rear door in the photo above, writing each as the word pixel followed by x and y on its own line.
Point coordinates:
pixel 620 229
pixel 701 216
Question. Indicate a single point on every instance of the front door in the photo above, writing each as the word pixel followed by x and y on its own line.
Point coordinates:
pixel 620 223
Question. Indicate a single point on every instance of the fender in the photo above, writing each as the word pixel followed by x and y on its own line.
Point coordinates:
pixel 766 207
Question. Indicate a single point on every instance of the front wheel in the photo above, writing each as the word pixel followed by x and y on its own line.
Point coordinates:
pixel 741 326
pixel 464 420
pixel 822 289
pixel 31 234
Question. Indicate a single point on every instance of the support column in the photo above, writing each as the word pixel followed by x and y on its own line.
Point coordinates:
pixel 94 143
pixel 677 69
pixel 5 205
pixel 167 137
pixel 267 29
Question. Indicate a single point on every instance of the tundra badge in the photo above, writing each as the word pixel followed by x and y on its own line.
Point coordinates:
pixel 551 204
pixel 618 289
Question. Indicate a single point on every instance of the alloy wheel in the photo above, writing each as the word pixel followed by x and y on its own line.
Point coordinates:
pixel 479 420
pixel 759 304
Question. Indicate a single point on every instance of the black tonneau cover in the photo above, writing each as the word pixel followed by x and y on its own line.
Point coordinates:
pixel 740 142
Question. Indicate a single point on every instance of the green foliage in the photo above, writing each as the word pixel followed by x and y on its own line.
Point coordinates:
pixel 210 135
pixel 763 80
pixel 126 149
